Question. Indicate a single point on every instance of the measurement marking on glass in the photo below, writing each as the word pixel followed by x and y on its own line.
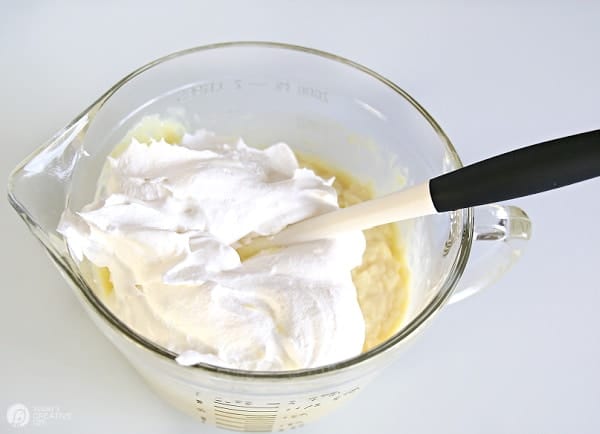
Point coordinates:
pixel 238 419
pixel 246 406
pixel 258 410
pixel 237 416
pixel 201 89
pixel 242 425
pixel 236 427
pixel 227 418
pixel 248 403
pixel 241 411
pixel 245 412
pixel 230 422
pixel 318 94
pixel 245 415
pixel 239 401
pixel 246 420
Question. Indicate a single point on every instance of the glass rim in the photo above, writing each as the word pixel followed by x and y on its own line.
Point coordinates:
pixel 456 269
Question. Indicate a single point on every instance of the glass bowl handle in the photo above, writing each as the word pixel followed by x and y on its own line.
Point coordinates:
pixel 500 234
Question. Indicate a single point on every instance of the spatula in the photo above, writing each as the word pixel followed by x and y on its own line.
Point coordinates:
pixel 533 169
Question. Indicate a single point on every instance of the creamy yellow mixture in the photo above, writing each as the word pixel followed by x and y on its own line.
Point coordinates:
pixel 382 279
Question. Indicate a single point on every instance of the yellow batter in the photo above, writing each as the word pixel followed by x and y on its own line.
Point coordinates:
pixel 382 278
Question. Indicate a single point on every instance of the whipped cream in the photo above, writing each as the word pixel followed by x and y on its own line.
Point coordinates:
pixel 166 221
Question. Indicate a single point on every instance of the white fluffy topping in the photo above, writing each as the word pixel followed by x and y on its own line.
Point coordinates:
pixel 165 223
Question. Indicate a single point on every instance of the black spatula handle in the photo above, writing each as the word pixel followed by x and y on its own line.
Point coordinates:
pixel 522 172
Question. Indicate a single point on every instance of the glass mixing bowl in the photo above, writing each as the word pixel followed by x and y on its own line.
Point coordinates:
pixel 319 104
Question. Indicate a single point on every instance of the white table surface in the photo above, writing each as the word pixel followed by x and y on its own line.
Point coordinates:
pixel 521 357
